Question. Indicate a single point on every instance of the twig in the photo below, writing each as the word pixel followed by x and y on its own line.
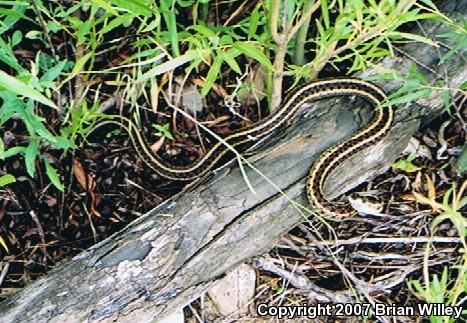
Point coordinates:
pixel 130 182
pixel 44 28
pixel 281 41
pixel 4 272
pixel 407 240
pixel 51 45
pixel 42 236
pixel 91 224
pixel 300 281
pixel 415 60
pixel 79 82
pixel 235 13
pixel 309 10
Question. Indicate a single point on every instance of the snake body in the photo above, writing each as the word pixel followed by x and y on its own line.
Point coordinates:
pixel 371 134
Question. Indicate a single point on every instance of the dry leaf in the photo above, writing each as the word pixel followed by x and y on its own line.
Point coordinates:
pixel 217 120
pixel 431 188
pixel 157 145
pixel 80 174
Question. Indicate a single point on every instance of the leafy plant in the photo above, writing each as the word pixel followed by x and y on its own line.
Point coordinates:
pixel 437 290
pixel 415 86
pixel 449 209
pixel 175 34
pixel 81 120
pixel 406 165
pixel 449 287
pixel 5 180
pixel 163 131
pixel 19 95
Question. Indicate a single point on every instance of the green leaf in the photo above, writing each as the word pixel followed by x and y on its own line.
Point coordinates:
pixel 120 20
pixel 53 176
pixel 164 130
pixel 322 33
pixel 288 8
pixel 417 286
pixel 79 65
pixel 64 143
pixel 34 34
pixel 138 7
pixel 43 132
pixel 53 26
pixel 252 51
pixel 84 31
pixel 13 15
pixel 54 72
pixel 8 57
pixel 16 38
pixel 7 179
pixel 11 61
pixel 447 196
pixel 12 84
pixel 421 39
pixel 429 3
pixel 447 102
pixel 168 13
pixel 226 40
pixel 203 30
pixel 229 58
pixel 406 165
pixel 185 4
pixel 30 156
pixel 411 157
pixel 460 44
pixel 461 163
pixel 254 22
pixel 169 65
pixel 325 12
pixel 11 152
pixel 104 5
pixel 212 75
pixel 152 25
pixel 411 96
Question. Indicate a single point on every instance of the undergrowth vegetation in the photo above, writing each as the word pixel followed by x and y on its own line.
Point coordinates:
pixel 63 63
pixel 164 39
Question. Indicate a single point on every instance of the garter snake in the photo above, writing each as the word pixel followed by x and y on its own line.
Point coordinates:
pixel 321 169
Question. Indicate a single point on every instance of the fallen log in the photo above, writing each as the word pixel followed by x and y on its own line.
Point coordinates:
pixel 175 252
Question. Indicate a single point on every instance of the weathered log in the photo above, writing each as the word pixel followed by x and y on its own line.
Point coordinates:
pixel 175 252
